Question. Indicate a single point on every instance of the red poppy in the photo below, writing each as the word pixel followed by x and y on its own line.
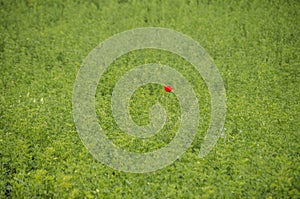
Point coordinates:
pixel 168 88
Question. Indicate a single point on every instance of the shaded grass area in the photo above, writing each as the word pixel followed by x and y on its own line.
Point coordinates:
pixel 255 46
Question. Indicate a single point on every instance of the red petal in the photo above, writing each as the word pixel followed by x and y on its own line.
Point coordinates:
pixel 168 88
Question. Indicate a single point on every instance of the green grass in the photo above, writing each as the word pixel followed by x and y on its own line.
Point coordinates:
pixel 254 44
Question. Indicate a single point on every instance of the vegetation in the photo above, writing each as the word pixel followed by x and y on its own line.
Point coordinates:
pixel 254 44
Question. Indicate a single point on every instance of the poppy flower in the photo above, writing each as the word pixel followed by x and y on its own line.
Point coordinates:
pixel 168 88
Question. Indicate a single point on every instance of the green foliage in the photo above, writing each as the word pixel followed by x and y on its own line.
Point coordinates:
pixel 255 45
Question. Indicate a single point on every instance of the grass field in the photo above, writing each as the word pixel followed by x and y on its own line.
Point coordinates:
pixel 254 44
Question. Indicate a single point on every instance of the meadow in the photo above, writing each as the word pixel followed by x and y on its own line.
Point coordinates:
pixel 255 46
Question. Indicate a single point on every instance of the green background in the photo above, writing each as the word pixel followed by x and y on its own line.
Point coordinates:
pixel 254 44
